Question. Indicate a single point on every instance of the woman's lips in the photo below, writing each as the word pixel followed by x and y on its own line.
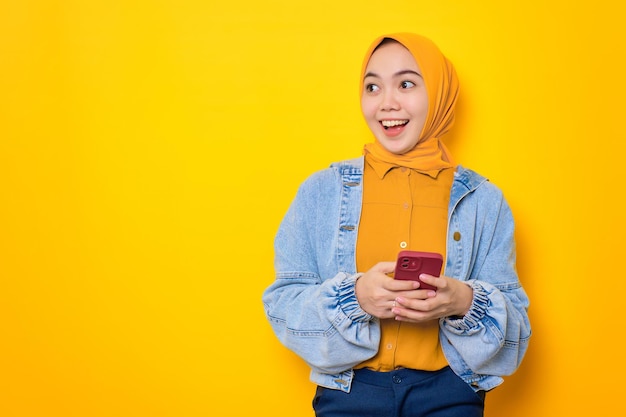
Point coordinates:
pixel 393 128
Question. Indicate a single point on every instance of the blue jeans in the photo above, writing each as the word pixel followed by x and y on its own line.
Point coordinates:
pixel 401 393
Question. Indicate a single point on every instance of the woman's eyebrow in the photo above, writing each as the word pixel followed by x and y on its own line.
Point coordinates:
pixel 397 74
pixel 405 72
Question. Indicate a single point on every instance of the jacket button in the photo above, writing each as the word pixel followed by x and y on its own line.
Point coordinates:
pixel 456 236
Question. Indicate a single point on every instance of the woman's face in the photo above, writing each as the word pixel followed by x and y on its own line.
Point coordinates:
pixel 394 100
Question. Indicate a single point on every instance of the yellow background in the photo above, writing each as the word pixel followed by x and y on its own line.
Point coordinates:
pixel 148 150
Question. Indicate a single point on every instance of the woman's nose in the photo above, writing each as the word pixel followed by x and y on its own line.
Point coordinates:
pixel 389 101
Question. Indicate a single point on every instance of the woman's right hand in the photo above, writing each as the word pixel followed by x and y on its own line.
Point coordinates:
pixel 376 291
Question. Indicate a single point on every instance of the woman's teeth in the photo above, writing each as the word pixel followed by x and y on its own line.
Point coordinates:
pixel 391 123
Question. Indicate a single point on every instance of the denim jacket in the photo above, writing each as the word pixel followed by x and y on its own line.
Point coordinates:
pixel 312 305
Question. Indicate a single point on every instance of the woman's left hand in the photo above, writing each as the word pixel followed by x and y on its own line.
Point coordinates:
pixel 452 298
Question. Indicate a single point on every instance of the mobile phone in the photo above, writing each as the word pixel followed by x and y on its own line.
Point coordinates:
pixel 411 264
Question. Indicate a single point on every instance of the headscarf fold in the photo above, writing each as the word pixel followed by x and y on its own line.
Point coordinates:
pixel 430 155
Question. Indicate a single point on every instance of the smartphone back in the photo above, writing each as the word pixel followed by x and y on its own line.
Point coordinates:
pixel 411 264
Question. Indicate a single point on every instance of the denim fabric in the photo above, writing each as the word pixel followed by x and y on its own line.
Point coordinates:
pixel 312 305
pixel 401 393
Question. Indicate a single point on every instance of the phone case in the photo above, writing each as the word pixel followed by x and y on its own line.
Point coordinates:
pixel 411 264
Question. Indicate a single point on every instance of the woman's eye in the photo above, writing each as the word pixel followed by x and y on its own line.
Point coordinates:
pixel 371 88
pixel 407 84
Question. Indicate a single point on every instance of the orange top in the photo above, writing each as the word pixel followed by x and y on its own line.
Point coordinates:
pixel 403 210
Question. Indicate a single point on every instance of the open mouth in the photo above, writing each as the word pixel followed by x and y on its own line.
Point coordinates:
pixel 393 123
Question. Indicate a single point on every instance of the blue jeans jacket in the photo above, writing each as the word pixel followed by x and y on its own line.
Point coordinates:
pixel 312 305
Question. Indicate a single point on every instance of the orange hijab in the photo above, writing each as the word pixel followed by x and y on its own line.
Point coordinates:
pixel 430 155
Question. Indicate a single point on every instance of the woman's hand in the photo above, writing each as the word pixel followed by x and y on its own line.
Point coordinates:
pixel 377 292
pixel 452 298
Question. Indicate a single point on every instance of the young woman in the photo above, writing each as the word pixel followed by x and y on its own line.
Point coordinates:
pixel 380 346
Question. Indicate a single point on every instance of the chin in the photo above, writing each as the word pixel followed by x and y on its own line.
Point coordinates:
pixel 397 150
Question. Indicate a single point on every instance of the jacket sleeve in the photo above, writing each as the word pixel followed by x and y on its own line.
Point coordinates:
pixel 317 317
pixel 493 336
